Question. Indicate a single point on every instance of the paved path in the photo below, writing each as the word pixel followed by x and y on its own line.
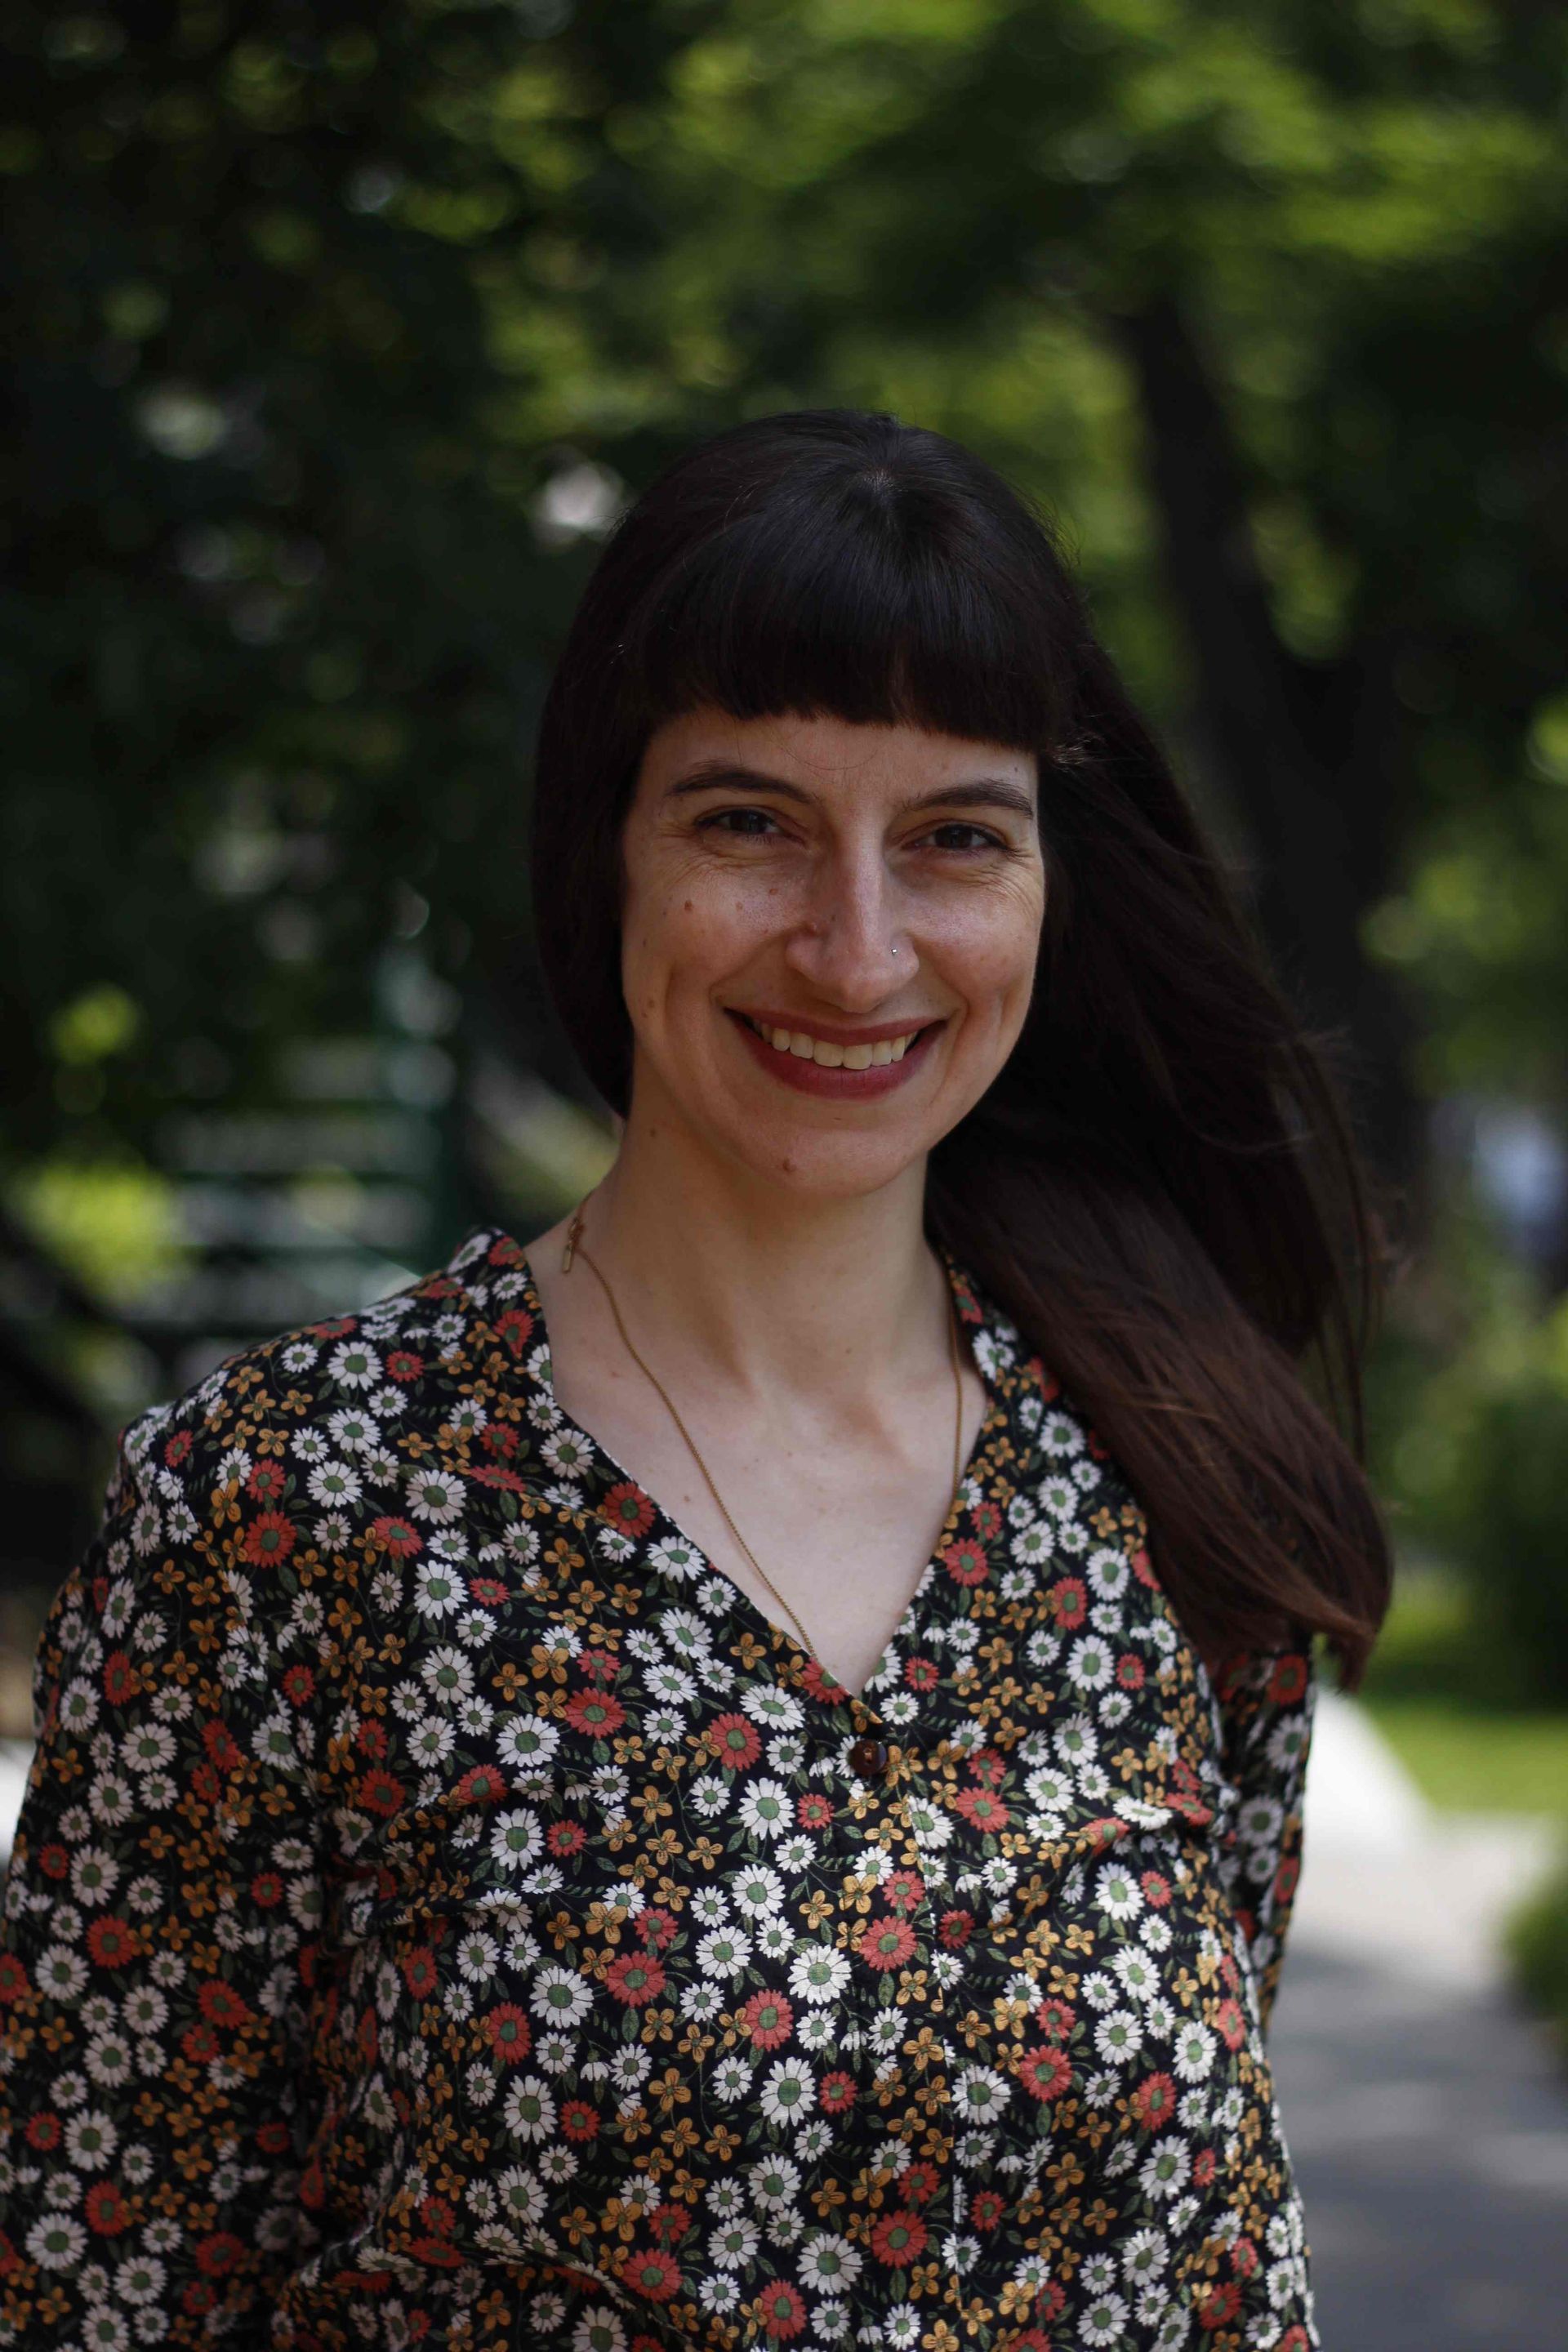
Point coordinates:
pixel 1427 2117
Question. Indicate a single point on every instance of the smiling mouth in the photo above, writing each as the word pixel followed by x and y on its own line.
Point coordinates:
pixel 827 1055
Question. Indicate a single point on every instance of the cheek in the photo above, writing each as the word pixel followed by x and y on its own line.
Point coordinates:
pixel 990 955
pixel 686 929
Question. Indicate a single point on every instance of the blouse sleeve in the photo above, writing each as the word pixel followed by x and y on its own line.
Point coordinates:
pixel 156 1936
pixel 1266 1702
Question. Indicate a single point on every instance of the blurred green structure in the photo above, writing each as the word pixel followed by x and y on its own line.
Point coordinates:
pixel 341 338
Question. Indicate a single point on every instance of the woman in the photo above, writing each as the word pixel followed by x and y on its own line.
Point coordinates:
pixel 734 1775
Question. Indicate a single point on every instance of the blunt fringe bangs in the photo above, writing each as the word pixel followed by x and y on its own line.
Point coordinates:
pixel 1162 1187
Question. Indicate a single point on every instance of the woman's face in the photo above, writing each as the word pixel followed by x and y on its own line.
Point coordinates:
pixel 829 934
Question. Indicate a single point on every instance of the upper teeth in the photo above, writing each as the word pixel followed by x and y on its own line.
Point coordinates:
pixel 835 1057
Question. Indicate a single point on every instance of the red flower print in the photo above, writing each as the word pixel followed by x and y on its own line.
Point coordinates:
pixel 1044 2071
pixel 1217 2305
pixel 579 2121
pixel 506 1482
pixel 886 1943
pixel 1294 2339
pixel 1231 2024
pixel 107 2210
pixel 483 1785
pixel 836 2094
pixel 298 1684
pixel 1154 2103
pixel 217 2255
pixel 819 1684
pixel 378 1793
pixel 121 1679
pixel 652 2273
pixel 397 1535
pixel 981 1808
pixel 112 1943
pixel 1069 1599
pixel 814 1811
pixel 565 1837
pixel 268 1539
pixel 1055 2019
pixel 734 1741
pixel 987 2210
pixel 486 1591
pixel 1129 1673
pixel 1288 1681
pixel 221 1745
pixel 987 1521
pixel 597 1712
pixel 509 2033
pixel 1156 1889
pixel 370 1740
pixel 1144 1568
pixel 635 1978
pixel 178 1446
pixel 988 1768
pixel 44 2133
pixel 1204 2165
pixel 919 2184
pixel 419 1973
pixel 898 2239
pixel 670 2224
pixel 903 1890
pixel 504 1251
pixel 221 2005
pixel 921 1674
pixel 954 1929
pixel 965 1561
pixel 266 1482
pixel 54 1861
pixel 766 2018
pixel 403 1364
pixel 625 1506
pixel 514 1329
pixel 781 2312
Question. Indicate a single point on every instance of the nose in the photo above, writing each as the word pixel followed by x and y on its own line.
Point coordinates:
pixel 849 946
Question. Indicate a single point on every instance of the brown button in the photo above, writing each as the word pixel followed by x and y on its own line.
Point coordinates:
pixel 868 1759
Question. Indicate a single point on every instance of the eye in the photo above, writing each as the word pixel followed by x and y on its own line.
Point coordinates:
pixel 958 835
pixel 749 823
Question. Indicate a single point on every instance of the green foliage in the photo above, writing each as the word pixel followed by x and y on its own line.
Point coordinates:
pixel 1475 1475
pixel 340 335
pixel 1537 1944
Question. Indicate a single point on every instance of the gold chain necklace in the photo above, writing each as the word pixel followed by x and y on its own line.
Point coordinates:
pixel 575 1248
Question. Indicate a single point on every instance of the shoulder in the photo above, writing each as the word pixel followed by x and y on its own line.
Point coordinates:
pixel 339 1441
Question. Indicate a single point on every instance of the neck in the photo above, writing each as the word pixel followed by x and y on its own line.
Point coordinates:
pixel 769 1288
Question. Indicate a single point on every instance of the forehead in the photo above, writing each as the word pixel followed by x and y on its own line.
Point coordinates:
pixel 824 754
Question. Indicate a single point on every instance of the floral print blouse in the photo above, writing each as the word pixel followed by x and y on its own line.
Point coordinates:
pixel 446 1911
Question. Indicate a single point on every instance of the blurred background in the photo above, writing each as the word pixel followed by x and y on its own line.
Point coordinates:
pixel 339 337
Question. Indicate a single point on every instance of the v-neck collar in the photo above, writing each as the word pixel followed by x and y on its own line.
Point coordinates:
pixel 791 1664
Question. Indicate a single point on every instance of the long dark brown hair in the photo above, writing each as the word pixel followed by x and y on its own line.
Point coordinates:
pixel 1160 1187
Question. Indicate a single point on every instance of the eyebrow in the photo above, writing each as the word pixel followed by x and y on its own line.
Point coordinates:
pixel 977 792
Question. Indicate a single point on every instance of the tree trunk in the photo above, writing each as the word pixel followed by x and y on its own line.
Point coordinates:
pixel 1308 756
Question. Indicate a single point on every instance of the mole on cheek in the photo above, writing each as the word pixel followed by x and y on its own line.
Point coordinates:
pixel 686 908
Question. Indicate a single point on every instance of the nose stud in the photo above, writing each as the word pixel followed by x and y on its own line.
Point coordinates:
pixel 895 950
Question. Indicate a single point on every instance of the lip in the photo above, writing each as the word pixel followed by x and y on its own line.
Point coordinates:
pixel 869 1033
pixel 835 1086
